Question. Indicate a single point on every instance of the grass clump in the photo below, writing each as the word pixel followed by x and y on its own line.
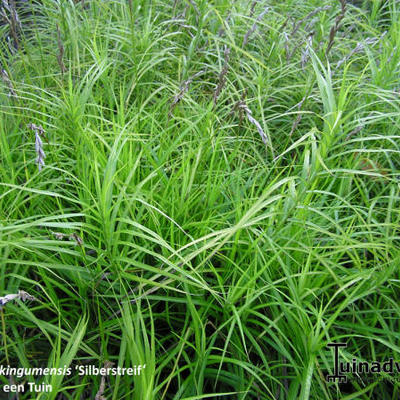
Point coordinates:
pixel 220 198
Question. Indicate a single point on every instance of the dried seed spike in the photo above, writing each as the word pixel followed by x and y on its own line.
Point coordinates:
pixel 241 103
pixel 9 83
pixel 221 30
pixel 299 116
pixel 39 151
pixel 222 75
pixel 238 106
pixel 307 17
pixel 310 24
pixel 283 26
pixel 58 235
pixel 21 295
pixel 100 392
pixel 194 5
pixel 25 296
pixel 13 21
pixel 77 238
pixel 253 7
pixel 254 27
pixel 354 132
pixel 175 4
pixel 39 131
pixel 250 117
pixel 361 46
pixel 335 28
pixel 196 9
pixel 305 54
pixel 183 89
pixel 300 43
pixel 60 54
pixel 286 45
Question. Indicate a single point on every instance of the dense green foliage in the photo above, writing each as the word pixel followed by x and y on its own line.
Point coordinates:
pixel 164 228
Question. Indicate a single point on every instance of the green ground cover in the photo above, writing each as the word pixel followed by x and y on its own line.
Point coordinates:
pixel 209 188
